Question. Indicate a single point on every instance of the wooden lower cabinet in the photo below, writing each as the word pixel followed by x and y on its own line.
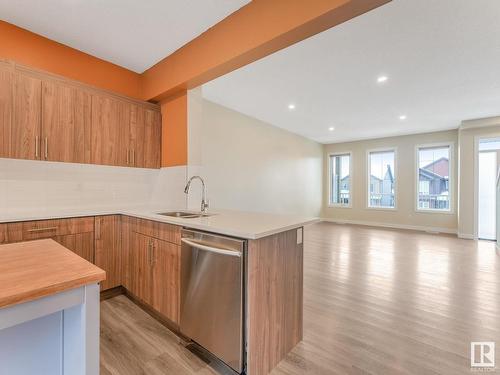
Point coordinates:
pixel 81 244
pixel 11 232
pixel 142 255
pixel 154 273
pixel 166 279
pixel 108 249
pixel 140 266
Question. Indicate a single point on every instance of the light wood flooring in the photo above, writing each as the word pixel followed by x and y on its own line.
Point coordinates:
pixel 376 301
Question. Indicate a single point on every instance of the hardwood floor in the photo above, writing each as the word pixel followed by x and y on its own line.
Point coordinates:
pixel 376 301
pixel 379 301
pixel 134 343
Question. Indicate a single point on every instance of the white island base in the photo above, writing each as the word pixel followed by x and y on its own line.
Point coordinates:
pixel 53 335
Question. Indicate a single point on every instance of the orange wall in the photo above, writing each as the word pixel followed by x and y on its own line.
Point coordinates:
pixel 174 131
pixel 33 50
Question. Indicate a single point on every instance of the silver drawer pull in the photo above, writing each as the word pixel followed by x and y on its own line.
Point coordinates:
pixel 42 229
pixel 211 249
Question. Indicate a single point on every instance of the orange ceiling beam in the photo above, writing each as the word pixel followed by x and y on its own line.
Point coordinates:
pixel 31 49
pixel 254 31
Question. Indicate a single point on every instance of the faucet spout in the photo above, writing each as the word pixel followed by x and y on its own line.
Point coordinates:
pixel 204 202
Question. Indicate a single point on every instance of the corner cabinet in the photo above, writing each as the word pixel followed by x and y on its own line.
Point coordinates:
pixel 47 117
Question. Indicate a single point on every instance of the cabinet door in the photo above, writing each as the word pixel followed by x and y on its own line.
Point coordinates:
pixel 6 90
pixel 81 244
pixel 107 249
pixel 109 131
pixel 126 231
pixel 25 134
pixel 136 141
pixel 11 232
pixel 152 139
pixel 66 120
pixel 166 279
pixel 140 266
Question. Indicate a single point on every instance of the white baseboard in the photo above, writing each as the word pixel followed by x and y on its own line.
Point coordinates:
pixel 391 225
pixel 466 236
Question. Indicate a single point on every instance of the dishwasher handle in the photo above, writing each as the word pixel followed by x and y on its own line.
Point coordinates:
pixel 211 249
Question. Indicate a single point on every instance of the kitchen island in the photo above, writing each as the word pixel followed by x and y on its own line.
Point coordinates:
pixel 49 310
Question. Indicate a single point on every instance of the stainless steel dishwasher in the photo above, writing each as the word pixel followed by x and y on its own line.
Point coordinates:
pixel 212 295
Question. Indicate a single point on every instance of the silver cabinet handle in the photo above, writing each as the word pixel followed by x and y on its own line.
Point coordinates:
pixel 211 249
pixel 41 229
pixel 46 148
pixel 37 147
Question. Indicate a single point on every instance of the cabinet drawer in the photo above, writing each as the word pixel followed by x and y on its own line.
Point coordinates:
pixel 33 230
pixel 11 232
pixel 162 231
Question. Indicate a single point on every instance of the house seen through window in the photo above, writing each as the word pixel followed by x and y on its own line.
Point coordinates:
pixel 433 178
pixel 340 187
pixel 381 179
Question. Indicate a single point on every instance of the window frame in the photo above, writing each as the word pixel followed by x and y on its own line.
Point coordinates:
pixel 339 205
pixel 368 181
pixel 451 177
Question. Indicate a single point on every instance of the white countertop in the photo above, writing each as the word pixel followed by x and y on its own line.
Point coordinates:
pixel 249 225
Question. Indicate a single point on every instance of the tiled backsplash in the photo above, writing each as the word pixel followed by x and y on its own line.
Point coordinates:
pixel 36 187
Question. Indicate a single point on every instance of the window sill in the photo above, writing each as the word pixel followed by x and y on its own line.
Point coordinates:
pixel 430 211
pixel 382 208
pixel 339 205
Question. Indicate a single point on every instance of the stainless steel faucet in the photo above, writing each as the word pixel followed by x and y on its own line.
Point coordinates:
pixel 204 202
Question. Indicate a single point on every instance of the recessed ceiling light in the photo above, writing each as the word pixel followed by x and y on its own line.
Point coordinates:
pixel 382 79
pixel 291 106
pixel 331 128
pixel 402 117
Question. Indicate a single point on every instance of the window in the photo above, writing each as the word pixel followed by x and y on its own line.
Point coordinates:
pixel 433 181
pixel 381 179
pixel 340 180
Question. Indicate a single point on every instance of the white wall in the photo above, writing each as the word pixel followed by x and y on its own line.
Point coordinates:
pixel 251 165
pixel 405 214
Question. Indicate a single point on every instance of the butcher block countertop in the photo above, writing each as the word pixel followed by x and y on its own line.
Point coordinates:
pixel 35 269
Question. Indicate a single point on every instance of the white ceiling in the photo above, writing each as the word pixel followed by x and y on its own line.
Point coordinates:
pixel 130 33
pixel 442 58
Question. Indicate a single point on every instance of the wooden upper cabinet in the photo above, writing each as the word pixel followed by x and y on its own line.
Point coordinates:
pixel 136 139
pixel 25 129
pixel 109 131
pixel 44 117
pixel 152 139
pixel 66 119
pixel 6 89
pixel 107 249
pixel 145 137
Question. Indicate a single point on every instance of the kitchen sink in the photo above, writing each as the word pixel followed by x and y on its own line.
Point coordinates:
pixel 183 214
